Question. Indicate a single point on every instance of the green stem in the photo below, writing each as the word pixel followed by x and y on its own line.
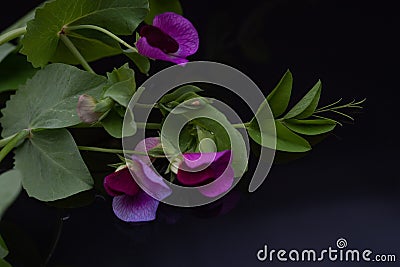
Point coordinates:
pixel 149 126
pixel 115 151
pixel 5 141
pixel 332 107
pixel 76 53
pixel 241 125
pixel 139 105
pixel 100 29
pixel 8 36
pixel 13 143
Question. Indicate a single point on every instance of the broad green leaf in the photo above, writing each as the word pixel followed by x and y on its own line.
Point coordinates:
pixel 10 186
pixel 307 105
pixel 51 166
pixel 310 127
pixel 3 263
pixel 161 6
pixel 49 99
pixel 5 50
pixel 122 85
pixel 143 63
pixel 92 45
pixel 41 41
pixel 3 248
pixel 289 141
pixel 15 71
pixel 278 99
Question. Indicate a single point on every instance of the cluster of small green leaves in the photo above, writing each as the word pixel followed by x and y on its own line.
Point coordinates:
pixel 36 117
pixel 186 102
pixel 300 120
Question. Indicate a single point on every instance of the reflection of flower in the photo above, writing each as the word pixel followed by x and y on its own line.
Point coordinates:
pixel 201 168
pixel 170 38
pixel 131 203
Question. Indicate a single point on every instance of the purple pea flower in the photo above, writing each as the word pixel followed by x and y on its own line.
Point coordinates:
pixel 199 169
pixel 170 38
pixel 130 202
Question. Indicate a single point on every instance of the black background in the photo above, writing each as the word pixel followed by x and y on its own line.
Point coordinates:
pixel 346 187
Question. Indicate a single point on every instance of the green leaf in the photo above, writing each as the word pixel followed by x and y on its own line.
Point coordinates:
pixel 91 44
pixel 10 186
pixel 143 63
pixel 265 136
pixel 289 141
pixel 216 131
pixel 123 85
pixel 3 248
pixel 49 99
pixel 41 41
pixel 51 166
pixel 179 92
pixel 286 140
pixel 161 6
pixel 278 99
pixel 220 126
pixel 15 71
pixel 5 50
pixel 3 263
pixel 310 127
pixel 307 105
pixel 187 139
pixel 113 124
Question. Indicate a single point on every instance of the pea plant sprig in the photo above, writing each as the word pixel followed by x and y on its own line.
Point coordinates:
pixel 54 89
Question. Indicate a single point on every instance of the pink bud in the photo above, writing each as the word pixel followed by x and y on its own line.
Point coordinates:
pixel 85 109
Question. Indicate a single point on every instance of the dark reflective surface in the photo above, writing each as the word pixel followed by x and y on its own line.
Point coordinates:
pixel 347 186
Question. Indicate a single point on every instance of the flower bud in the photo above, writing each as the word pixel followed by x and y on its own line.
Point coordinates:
pixel 86 109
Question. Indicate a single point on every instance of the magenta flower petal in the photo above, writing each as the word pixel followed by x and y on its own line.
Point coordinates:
pixel 195 178
pixel 145 49
pixel 121 183
pixel 198 161
pixel 181 30
pixel 215 160
pixel 138 208
pixel 145 145
pixel 150 179
pixel 219 186
pixel 192 171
